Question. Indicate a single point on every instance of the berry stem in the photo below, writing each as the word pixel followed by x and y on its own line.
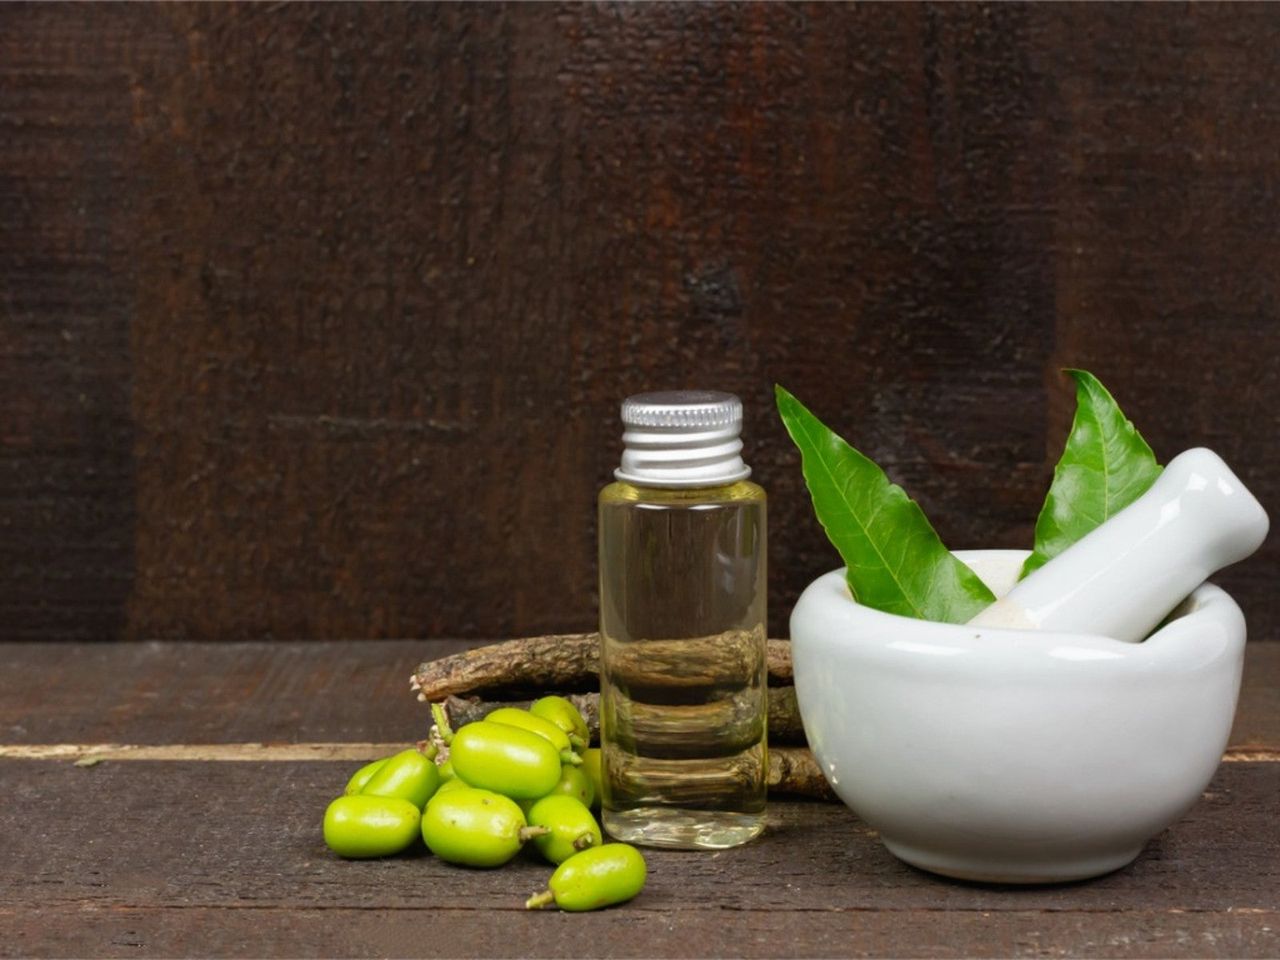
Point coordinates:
pixel 442 723
pixel 540 900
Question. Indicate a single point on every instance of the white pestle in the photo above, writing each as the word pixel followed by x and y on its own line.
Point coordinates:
pixel 1126 575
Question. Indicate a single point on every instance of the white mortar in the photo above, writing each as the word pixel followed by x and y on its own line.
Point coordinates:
pixel 1016 756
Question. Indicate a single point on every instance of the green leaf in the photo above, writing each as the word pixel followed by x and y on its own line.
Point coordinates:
pixel 1105 466
pixel 894 559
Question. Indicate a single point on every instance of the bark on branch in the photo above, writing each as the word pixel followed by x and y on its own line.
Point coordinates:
pixel 473 684
pixel 784 714
pixel 571 662
pixel 794 772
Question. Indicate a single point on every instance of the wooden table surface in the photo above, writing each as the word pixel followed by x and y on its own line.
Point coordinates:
pixel 198 835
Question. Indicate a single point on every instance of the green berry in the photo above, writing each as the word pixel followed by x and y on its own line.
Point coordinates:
pixel 591 767
pixel 524 720
pixel 358 826
pixel 574 783
pixel 570 825
pixel 565 716
pixel 361 776
pixel 475 828
pixel 409 775
pixel 597 877
pixel 507 760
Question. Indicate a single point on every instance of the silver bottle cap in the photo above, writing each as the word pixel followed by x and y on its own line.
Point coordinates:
pixel 682 438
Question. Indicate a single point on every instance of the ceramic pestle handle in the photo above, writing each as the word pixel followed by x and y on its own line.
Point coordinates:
pixel 1126 575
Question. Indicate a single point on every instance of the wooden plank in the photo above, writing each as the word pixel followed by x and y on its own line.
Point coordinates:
pixel 91 754
pixel 67 499
pixel 316 317
pixel 300 692
pixel 1105 298
pixel 177 857
pixel 139 854
pixel 1257 720
pixel 257 828
pixel 202 693
pixel 633 931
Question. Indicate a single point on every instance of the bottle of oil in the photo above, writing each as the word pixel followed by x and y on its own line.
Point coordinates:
pixel 682 628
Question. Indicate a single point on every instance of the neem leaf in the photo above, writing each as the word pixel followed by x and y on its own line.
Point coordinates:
pixel 1105 466
pixel 894 559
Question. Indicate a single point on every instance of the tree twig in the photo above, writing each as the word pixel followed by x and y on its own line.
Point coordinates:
pixel 570 662
pixel 794 772
pixel 784 714
pixel 474 683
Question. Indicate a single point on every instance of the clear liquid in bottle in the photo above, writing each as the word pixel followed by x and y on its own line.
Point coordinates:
pixel 683 674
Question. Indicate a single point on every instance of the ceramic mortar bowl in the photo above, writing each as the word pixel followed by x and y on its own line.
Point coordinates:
pixel 1014 756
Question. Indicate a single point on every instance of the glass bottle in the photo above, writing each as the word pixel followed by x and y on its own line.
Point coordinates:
pixel 682 628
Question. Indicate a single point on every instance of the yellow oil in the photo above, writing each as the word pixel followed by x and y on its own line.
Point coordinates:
pixel 682 665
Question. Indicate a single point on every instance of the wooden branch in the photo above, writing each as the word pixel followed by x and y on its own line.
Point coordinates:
pixel 536 666
pixel 691 663
pixel 557 662
pixel 571 662
pixel 794 772
pixel 784 714
pixel 464 710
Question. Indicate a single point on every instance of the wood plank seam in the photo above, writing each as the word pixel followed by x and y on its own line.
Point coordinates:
pixel 250 751
pixel 207 752
pixel 95 905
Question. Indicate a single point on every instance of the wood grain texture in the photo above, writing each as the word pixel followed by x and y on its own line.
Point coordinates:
pixel 248 869
pixel 303 692
pixel 353 291
pixel 264 931
pixel 213 693
pixel 67 506
pixel 163 857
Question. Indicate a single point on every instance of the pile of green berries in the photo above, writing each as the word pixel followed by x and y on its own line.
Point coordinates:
pixel 515 776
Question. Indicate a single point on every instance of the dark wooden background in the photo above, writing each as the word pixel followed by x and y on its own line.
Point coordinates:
pixel 314 319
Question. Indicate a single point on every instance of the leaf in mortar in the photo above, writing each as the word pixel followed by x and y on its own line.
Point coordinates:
pixel 1105 466
pixel 894 559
